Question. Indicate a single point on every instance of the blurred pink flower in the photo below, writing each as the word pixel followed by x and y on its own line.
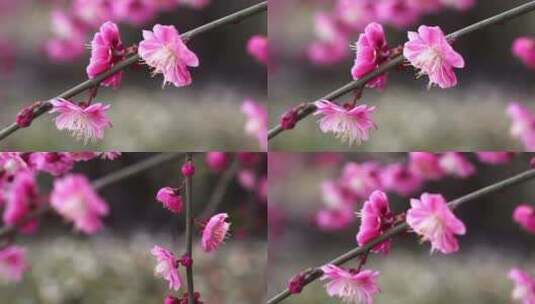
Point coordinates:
pixel 494 158
pixel 12 264
pixel 430 52
pixel 68 38
pixel 74 198
pixel 84 122
pixel 332 44
pixel 361 178
pixel 355 14
pixel 137 12
pixel 215 232
pixel 455 163
pixel 106 51
pixel 375 218
pixel 336 196
pixel 332 219
pixel 164 50
pixel 351 287
pixel 93 12
pixel 170 199
pixel 166 267
pixel 371 50
pixel 398 178
pixel 524 49
pixel 247 179
pixel 431 218
pixel 55 163
pixel 111 155
pixel 426 165
pixel 524 290
pixel 217 161
pixel 524 215
pixel 397 13
pixel 258 47
pixel 349 124
pixel 12 163
pixel 523 124
pixel 257 120
pixel 21 199
pixel 425 6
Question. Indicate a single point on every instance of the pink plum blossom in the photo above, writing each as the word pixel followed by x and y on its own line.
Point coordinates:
pixel 164 50
pixel 106 51
pixel 167 267
pixel 335 195
pixel 456 164
pixel 332 43
pixel 524 289
pixel 350 286
pixel 20 200
pixel 74 198
pixel 170 199
pixel 398 178
pixel 12 163
pixel 361 178
pixel 349 124
pixel 13 264
pixel 431 218
pixel 426 165
pixel 137 12
pixel 524 215
pixel 215 232
pixel 524 49
pixel 93 12
pixel 523 124
pixel 355 15
pixel 217 161
pixel 84 122
pixel 397 13
pixel 257 121
pixel 494 158
pixel 55 163
pixel 371 51
pixel 333 219
pixel 257 46
pixel 375 218
pixel 68 38
pixel 429 51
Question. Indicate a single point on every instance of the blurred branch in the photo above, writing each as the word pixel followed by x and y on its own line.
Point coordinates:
pixel 309 107
pixel 316 273
pixel 88 84
pixel 98 184
pixel 220 189
pixel 189 233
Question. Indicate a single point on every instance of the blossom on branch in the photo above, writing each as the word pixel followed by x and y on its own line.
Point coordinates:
pixel 215 232
pixel 167 267
pixel 106 51
pixel 350 286
pixel 170 199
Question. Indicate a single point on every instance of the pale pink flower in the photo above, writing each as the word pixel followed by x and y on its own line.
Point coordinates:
pixel 137 12
pixel 431 218
pixel 170 199
pixel 13 264
pixel 349 124
pixel 258 47
pixel 397 13
pixel 257 121
pixel 355 14
pixel 93 12
pixel 352 287
pixel 164 50
pixel 84 122
pixel 524 290
pixel 68 38
pixel 336 195
pixel 361 178
pixel 55 163
pixel 12 163
pixel 21 198
pixel 398 178
pixel 523 124
pixel 167 267
pixel 371 50
pixel 426 165
pixel 332 219
pixel 217 161
pixel 524 49
pixel 106 51
pixel 494 158
pixel 74 198
pixel 375 219
pixel 332 43
pixel 215 232
pixel 524 215
pixel 455 163
pixel 430 52
pixel 247 179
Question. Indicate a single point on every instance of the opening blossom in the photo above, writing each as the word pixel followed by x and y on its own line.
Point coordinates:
pixel 167 267
pixel 74 198
pixel 376 218
pixel 106 50
pixel 429 51
pixel 214 232
pixel 164 50
pixel 352 287
pixel 349 124
pixel 170 199
pixel 524 290
pixel 12 264
pixel 84 122
pixel 432 219
pixel 525 216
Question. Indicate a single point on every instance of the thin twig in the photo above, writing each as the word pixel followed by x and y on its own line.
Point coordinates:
pixel 229 19
pixel 220 189
pixel 189 233
pixel 309 108
pixel 353 253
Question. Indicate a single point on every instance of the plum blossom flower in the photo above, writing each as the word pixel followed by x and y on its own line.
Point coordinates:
pixel 93 12
pixel 164 50
pixel 258 46
pixel 68 38
pixel 257 120
pixel 398 178
pixel 217 161
pixel 55 163
pixel 371 51
pixel 524 290
pixel 332 40
pixel 524 49
pixel 336 195
pixel 494 158
pixel 214 232
pixel 352 287
pixel 376 218
pixel 397 13
pixel 525 216
pixel 430 52
pixel 455 163
pixel 137 12
pixel 106 51
pixel 12 264
pixel 170 199
pixel 426 165
pixel 523 124
pixel 431 218
pixel 74 198
pixel 349 124
pixel 84 122
pixel 20 200
pixel 167 267
pixel 361 178
pixel 355 15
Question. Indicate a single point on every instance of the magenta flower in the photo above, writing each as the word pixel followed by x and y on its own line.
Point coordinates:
pixel 55 163
pixel 376 218
pixel 164 50
pixel 137 12
pixel 12 264
pixel 525 216
pixel 371 51
pixel 430 52
pixel 87 123
pixel 257 121
pixel 355 15
pixel 361 178
pixel 426 165
pixel 69 37
pixel 349 124
pixel 523 124
pixel 332 43
pixel 431 218
pixel 456 164
pixel 397 13
pixel 20 200
pixel 74 198
pixel 214 232
pixel 93 12
pixel 524 290
pixel 352 287
pixel 167 267
pixel 494 158
pixel 524 49
pixel 170 199
pixel 11 163
pixel 258 47
pixel 398 178
pixel 106 51
pixel 335 195
pixel 217 161
pixel 333 219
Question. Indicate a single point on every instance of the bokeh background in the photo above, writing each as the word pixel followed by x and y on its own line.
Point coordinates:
pixel 115 265
pixel 409 274
pixel 204 116
pixel 468 117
